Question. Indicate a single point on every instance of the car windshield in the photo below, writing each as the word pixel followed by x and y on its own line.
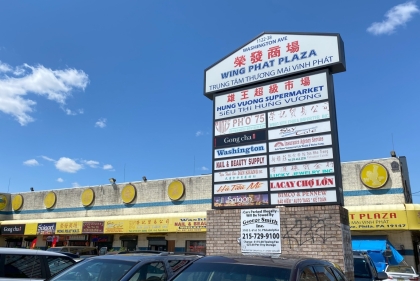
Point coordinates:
pixel 232 272
pixel 96 269
pixel 54 249
pixel 361 268
pixel 401 269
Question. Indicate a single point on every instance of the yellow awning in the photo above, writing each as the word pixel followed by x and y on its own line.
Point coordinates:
pixel 174 222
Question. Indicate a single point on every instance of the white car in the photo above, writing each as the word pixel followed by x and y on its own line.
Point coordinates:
pixel 401 273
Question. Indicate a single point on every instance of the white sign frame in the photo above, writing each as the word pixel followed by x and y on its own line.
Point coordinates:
pixel 252 122
pixel 301 156
pixel 240 187
pixel 244 174
pixel 242 150
pixel 244 162
pixel 299 130
pixel 304 197
pixel 295 170
pixel 291 92
pixel 300 143
pixel 260 231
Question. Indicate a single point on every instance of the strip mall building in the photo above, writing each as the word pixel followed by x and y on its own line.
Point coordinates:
pixel 170 214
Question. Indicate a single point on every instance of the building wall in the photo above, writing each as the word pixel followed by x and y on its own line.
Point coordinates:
pixel 312 231
pixel 357 194
pixel 151 198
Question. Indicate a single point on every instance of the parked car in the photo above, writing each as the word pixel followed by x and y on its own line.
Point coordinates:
pixel 401 273
pixel 364 268
pixel 76 250
pixel 25 264
pixel 127 267
pixel 259 268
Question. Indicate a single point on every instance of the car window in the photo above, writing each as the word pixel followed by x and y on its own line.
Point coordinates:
pixel 57 264
pixel 324 274
pixel 154 271
pixel 308 274
pixel 361 268
pixel 98 270
pixel 401 269
pixel 177 264
pixel 338 275
pixel 22 266
pixel 232 272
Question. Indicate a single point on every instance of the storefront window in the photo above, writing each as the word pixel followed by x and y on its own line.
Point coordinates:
pixel 196 246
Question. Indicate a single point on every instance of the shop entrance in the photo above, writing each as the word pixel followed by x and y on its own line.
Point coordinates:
pixel 129 242
pixel 157 244
pixel 14 242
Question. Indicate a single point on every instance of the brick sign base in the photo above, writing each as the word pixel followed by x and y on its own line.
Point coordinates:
pixel 312 231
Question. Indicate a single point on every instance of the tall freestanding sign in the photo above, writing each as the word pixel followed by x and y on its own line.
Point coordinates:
pixel 275 129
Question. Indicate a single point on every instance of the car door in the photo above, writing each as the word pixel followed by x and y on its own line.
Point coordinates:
pixel 323 273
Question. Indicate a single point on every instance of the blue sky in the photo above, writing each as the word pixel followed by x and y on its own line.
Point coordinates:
pixel 91 91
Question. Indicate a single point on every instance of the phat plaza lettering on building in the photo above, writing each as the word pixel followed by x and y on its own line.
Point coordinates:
pixel 374 216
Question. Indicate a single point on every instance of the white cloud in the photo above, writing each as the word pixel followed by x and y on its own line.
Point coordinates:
pixel 91 163
pixel 47 158
pixel 75 184
pixel 17 82
pixel 31 162
pixel 60 180
pixel 199 133
pixel 68 165
pixel 72 112
pixel 396 16
pixel 204 168
pixel 108 167
pixel 101 123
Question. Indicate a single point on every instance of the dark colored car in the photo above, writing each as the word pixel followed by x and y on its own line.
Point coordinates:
pixel 259 268
pixel 25 264
pixel 364 268
pixel 124 267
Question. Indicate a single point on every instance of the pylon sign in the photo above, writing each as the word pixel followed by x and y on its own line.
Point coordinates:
pixel 274 122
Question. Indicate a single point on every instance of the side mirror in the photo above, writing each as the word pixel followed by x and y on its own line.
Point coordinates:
pixel 382 276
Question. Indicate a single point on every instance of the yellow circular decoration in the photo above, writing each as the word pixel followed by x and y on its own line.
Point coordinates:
pixel 176 190
pixel 17 202
pixel 88 195
pixel 128 193
pixel 374 175
pixel 3 201
pixel 50 199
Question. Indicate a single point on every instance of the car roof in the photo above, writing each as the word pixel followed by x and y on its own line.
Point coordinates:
pixel 134 257
pixel 276 261
pixel 21 251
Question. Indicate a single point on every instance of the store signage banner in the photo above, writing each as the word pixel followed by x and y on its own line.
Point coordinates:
pixel 93 227
pixel 303 183
pixel 149 225
pixel 69 228
pixel 242 200
pixel 240 150
pixel 300 143
pixel 240 124
pixel 12 229
pixel 240 162
pixel 291 92
pixel 188 224
pixel 45 228
pixel 116 226
pixel 300 114
pixel 299 130
pixel 241 187
pixel 303 156
pixel 302 169
pixel 241 138
pixel 376 220
pixel 260 231
pixel 274 55
pixel 245 174
pixel 304 197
